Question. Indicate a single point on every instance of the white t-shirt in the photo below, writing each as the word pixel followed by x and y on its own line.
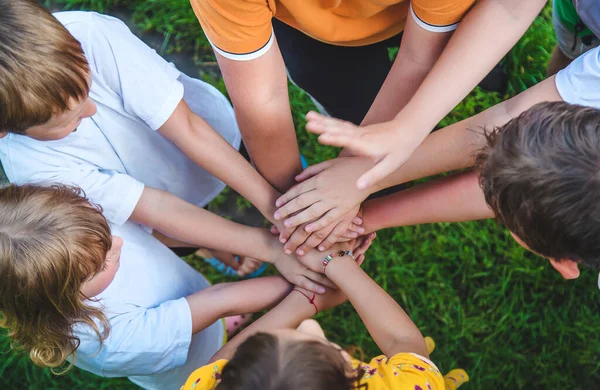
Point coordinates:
pixel 113 154
pixel 150 340
pixel 579 83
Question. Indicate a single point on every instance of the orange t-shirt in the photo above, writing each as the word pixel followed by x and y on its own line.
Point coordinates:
pixel 242 30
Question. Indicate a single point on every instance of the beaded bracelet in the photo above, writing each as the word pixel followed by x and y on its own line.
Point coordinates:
pixel 310 300
pixel 329 257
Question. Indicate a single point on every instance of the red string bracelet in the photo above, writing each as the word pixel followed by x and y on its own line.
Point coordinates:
pixel 310 300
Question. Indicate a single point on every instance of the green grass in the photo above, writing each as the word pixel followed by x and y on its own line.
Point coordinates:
pixel 494 309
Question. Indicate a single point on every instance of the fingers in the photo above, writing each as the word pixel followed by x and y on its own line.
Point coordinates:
pixel 352 142
pixel 364 245
pixel 274 231
pixel 360 260
pixel 319 124
pixel 313 240
pixel 356 228
pixel 327 219
pixel 294 192
pixel 357 220
pixel 313 170
pixel 313 212
pixel 297 204
pixel 285 233
pixel 348 235
pixel 382 169
pixel 334 236
pixel 296 239
pixel 319 279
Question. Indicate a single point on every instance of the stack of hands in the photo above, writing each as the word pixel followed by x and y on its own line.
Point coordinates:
pixel 322 213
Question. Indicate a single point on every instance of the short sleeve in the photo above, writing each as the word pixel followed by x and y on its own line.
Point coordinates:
pixel 237 29
pixel 149 341
pixel 439 15
pixel 146 83
pixel 205 378
pixel 402 371
pixel 578 82
pixel 117 193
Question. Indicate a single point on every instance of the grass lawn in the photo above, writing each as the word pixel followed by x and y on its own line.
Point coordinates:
pixel 499 312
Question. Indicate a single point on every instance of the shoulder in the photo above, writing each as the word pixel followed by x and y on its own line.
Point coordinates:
pixel 86 27
pixel 81 23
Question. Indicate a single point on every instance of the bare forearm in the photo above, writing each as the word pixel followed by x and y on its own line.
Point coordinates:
pixel 455 198
pixel 258 90
pixel 271 143
pixel 286 315
pixel 188 223
pixel 228 299
pixel 454 147
pixel 418 53
pixel 391 328
pixel 209 150
pixel 486 34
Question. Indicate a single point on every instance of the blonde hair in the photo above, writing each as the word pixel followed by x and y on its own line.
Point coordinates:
pixel 51 241
pixel 42 66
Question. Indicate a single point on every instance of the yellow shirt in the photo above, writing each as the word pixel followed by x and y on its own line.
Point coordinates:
pixel 404 371
pixel 241 29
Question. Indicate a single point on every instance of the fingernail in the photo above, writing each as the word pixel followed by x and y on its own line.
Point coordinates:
pixel 308 228
pixel 321 248
pixel 300 253
pixel 276 215
pixel 282 240
pixel 354 234
pixel 321 290
pixel 361 230
pixel 278 203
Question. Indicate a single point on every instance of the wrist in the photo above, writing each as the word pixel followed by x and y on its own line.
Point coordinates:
pixel 301 298
pixel 274 249
pixel 337 264
pixel 267 207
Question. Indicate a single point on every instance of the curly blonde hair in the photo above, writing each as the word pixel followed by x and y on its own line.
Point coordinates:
pixel 52 240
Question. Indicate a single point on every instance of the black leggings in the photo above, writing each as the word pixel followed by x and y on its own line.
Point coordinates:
pixel 344 80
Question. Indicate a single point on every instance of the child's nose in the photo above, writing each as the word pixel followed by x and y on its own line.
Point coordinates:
pixel 90 108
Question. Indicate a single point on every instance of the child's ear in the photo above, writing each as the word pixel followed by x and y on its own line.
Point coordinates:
pixel 3 134
pixel 567 268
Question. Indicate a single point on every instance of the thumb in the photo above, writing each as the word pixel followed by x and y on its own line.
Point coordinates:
pixel 381 170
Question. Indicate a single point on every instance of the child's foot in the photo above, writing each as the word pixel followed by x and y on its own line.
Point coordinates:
pixel 455 378
pixel 248 268
pixel 234 324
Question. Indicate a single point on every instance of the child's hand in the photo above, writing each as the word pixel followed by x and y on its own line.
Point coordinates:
pixel 326 193
pixel 387 144
pixel 314 259
pixel 302 241
pixel 297 273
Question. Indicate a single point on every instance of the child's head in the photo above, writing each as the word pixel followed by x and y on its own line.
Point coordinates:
pixel 56 252
pixel 540 174
pixel 290 359
pixel 44 75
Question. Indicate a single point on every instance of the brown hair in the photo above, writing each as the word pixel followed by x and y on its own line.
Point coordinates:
pixel 51 241
pixel 540 174
pixel 42 66
pixel 264 362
